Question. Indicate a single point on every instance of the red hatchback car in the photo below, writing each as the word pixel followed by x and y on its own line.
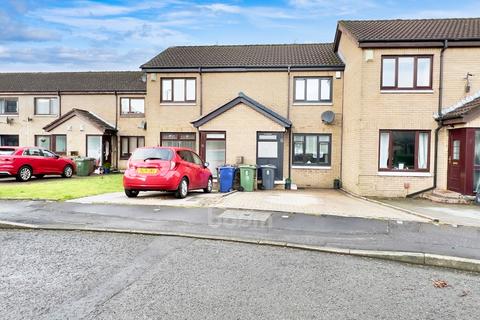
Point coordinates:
pixel 166 169
pixel 25 162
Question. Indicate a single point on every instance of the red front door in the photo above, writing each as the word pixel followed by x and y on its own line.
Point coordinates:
pixel 456 160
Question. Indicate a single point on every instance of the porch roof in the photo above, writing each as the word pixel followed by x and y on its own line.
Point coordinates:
pixel 464 111
pixel 242 98
pixel 92 118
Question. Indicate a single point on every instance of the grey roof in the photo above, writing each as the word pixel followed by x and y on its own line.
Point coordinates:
pixel 105 81
pixel 247 56
pixel 242 98
pixel 458 29
pixel 98 122
pixel 463 110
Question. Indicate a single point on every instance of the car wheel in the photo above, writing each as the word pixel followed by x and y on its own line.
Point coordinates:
pixel 24 174
pixel 182 190
pixel 67 171
pixel 209 187
pixel 39 176
pixel 131 193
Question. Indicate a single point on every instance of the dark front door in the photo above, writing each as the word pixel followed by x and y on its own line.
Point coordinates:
pixel 456 160
pixel 270 151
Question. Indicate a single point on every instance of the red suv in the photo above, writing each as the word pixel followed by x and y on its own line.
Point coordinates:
pixel 166 169
pixel 25 162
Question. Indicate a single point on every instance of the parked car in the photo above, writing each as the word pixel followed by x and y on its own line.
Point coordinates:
pixel 166 169
pixel 25 162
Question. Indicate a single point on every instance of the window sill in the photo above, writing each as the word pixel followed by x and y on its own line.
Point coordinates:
pixel 312 167
pixel 312 104
pixel 9 115
pixel 404 174
pixel 139 115
pixel 46 115
pixel 178 104
pixel 407 91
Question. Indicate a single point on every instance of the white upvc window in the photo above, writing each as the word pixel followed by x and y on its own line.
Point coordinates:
pixel 178 89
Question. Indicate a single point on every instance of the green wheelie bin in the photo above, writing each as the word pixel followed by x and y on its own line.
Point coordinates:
pixel 247 177
pixel 83 167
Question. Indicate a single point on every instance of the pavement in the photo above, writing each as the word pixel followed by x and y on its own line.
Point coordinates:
pixel 312 202
pixel 83 275
pixel 341 234
pixel 455 214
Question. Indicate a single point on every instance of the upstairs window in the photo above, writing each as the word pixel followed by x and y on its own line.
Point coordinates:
pixel 178 90
pixel 8 106
pixel 406 73
pixel 46 106
pixel 313 89
pixel 132 106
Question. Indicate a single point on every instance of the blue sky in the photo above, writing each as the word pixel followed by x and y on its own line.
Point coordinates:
pixel 48 35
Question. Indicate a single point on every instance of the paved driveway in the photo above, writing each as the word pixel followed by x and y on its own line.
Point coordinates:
pixel 315 202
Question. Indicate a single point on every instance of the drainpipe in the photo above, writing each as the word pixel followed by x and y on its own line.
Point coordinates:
pixel 289 129
pixel 59 103
pixel 117 155
pixel 342 127
pixel 439 126
pixel 201 90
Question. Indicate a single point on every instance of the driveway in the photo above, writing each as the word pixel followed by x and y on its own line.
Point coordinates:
pixel 312 202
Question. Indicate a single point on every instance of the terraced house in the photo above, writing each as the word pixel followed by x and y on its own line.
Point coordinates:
pixel 391 108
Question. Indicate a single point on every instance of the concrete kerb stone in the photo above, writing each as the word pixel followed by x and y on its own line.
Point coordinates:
pixel 426 259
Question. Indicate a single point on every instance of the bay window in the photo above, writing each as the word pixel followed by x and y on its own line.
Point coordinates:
pixel 313 89
pixel 178 139
pixel 404 150
pixel 178 90
pixel 406 72
pixel 312 149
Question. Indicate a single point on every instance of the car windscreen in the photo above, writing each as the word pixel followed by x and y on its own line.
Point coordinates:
pixel 152 154
pixel 7 151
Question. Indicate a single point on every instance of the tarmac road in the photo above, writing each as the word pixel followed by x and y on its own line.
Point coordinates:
pixel 84 275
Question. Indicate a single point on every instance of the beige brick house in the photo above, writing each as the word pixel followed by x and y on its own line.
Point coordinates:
pixel 391 108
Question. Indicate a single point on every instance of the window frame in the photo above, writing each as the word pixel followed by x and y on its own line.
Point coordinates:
pixel 329 164
pixel 9 135
pixel 129 154
pixel 194 140
pixel 53 142
pixel 390 150
pixel 50 107
pixel 415 72
pixel 9 113
pixel 131 114
pixel 172 100
pixel 305 78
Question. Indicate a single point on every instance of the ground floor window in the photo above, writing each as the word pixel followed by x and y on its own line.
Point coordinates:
pixel 476 163
pixel 404 150
pixel 312 149
pixel 8 140
pixel 56 143
pixel 178 139
pixel 129 144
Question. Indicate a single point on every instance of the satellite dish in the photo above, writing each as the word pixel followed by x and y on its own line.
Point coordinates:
pixel 328 117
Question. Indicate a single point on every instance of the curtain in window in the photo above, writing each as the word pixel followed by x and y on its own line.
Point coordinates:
pixel 422 150
pixel 384 145
pixel 2 106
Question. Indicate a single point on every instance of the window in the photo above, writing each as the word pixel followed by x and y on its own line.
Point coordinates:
pixel 8 106
pixel 186 156
pixel 311 149
pixel 132 106
pixel 33 152
pixel 404 150
pixel 178 139
pixel 8 140
pixel 178 90
pixel 406 72
pixel 129 144
pixel 313 89
pixel 46 106
pixel 56 143
pixel 476 163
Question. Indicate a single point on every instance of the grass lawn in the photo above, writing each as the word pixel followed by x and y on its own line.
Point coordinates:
pixel 61 189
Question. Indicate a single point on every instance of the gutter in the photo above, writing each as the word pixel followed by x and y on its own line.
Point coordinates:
pixel 439 127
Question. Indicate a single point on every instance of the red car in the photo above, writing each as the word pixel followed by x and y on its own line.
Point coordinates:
pixel 25 162
pixel 166 169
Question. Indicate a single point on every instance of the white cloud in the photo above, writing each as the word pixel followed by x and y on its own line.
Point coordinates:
pixel 222 8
